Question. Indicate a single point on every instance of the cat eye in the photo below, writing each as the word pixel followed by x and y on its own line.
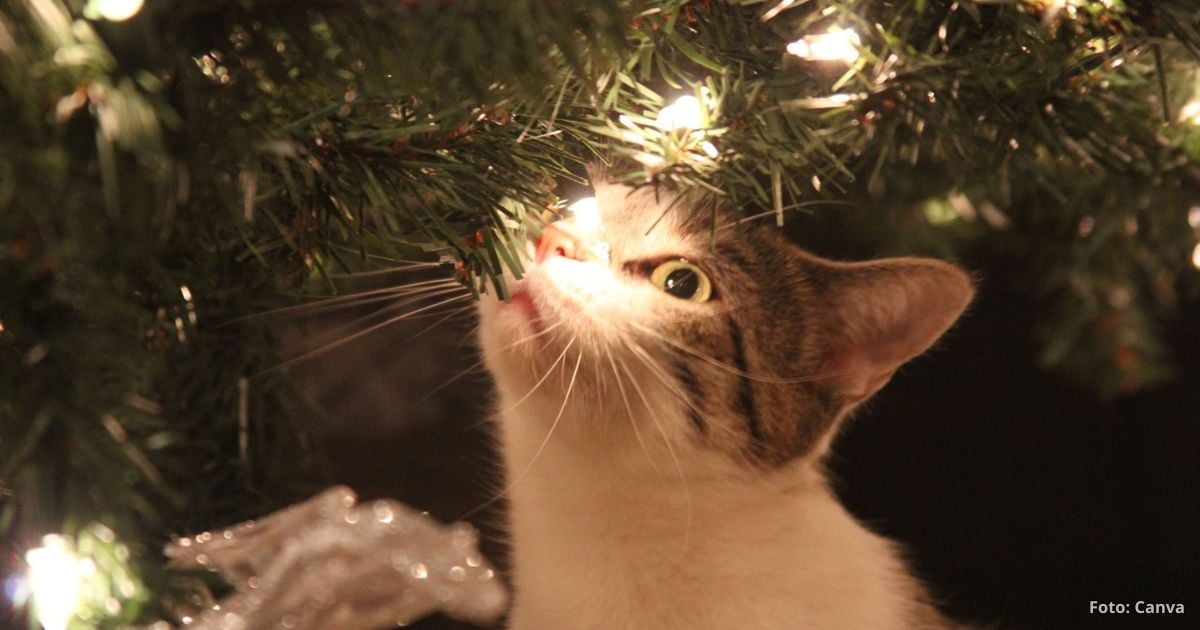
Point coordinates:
pixel 683 280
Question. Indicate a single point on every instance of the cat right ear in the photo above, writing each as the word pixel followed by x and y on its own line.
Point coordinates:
pixel 878 315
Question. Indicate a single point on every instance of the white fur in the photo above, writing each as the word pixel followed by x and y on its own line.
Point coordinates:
pixel 617 528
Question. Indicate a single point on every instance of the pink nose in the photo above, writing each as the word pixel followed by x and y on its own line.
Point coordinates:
pixel 557 242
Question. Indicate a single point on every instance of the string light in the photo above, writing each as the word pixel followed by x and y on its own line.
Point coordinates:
pixel 1054 7
pixel 117 10
pixel 586 214
pixel 685 113
pixel 55 576
pixel 838 44
pixel 1190 114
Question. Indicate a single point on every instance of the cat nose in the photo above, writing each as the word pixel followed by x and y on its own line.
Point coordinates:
pixel 556 241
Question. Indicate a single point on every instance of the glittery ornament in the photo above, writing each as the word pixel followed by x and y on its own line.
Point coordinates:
pixel 333 563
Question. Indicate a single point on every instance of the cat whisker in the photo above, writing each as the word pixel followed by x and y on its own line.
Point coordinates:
pixel 629 411
pixel 448 382
pixel 535 335
pixel 771 213
pixel 687 492
pixel 362 333
pixel 383 311
pixel 454 313
pixel 478 364
pixel 352 300
pixel 672 387
pixel 545 376
pixel 406 266
pixel 561 410
pixel 388 290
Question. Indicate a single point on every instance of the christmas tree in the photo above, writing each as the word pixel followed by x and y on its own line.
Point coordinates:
pixel 178 176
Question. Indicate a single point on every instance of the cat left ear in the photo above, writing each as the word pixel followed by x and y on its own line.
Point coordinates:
pixel 879 315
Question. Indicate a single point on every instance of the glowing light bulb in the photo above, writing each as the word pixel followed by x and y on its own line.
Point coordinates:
pixel 838 44
pixel 1190 113
pixel 55 575
pixel 117 10
pixel 1196 256
pixel 684 113
pixel 586 214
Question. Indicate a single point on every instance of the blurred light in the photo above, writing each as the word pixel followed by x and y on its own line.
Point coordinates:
pixel 838 44
pixel 586 214
pixel 1193 220
pixel 118 10
pixel 1196 256
pixel 1053 7
pixel 825 102
pixel 650 160
pixel 940 212
pixel 54 579
pixel 684 113
pixel 777 9
pixel 1086 225
pixel 1190 113
pixel 16 590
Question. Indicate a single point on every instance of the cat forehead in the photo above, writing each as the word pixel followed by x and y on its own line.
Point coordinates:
pixel 652 218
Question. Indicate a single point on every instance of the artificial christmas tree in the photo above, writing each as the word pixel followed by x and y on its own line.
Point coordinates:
pixel 173 175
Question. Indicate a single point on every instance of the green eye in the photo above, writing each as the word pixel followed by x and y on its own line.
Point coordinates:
pixel 683 280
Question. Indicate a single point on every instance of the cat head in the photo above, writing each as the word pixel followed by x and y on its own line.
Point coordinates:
pixel 731 340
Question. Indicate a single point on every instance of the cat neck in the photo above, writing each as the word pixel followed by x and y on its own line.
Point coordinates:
pixel 597 528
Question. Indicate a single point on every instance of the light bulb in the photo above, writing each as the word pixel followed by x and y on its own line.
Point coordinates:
pixel 586 214
pixel 838 44
pixel 117 10
pixel 684 113
pixel 1190 113
pixel 55 574
pixel 1196 256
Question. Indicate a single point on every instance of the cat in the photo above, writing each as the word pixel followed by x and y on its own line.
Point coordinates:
pixel 668 387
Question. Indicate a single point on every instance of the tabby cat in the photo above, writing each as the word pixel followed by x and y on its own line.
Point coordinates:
pixel 669 381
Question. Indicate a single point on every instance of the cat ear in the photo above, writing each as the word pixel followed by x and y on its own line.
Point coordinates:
pixel 880 314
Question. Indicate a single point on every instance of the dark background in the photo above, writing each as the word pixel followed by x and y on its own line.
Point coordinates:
pixel 1020 498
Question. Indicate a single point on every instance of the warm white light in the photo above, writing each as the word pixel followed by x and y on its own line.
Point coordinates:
pixel 1190 113
pixel 117 10
pixel 684 113
pixel 838 44
pixel 55 575
pixel 586 214
pixel 1196 256
pixel 650 160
